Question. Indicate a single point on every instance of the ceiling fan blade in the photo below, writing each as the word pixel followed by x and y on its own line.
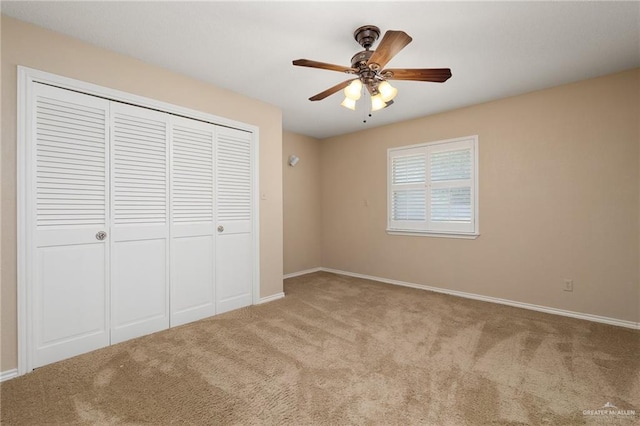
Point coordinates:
pixel 323 65
pixel 330 91
pixel 392 43
pixel 436 75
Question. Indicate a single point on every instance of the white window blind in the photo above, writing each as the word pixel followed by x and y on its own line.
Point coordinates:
pixel 433 187
pixel 408 201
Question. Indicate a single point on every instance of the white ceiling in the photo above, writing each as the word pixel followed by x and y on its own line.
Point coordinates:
pixel 494 49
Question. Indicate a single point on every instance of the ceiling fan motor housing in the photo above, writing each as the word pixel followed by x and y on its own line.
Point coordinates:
pixel 360 59
pixel 367 35
pixel 366 74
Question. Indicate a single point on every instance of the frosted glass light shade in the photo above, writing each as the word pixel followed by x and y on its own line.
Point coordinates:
pixel 349 103
pixel 377 103
pixel 353 90
pixel 387 91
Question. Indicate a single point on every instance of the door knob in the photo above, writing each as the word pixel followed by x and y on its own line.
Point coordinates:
pixel 101 235
pixel 220 228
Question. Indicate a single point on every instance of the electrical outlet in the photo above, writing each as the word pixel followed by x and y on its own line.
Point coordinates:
pixel 568 285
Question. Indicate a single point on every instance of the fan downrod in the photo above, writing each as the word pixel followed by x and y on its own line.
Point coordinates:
pixel 366 35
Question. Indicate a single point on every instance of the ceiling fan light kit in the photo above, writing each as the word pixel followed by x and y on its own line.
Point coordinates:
pixel 349 103
pixel 368 66
pixel 377 103
pixel 387 91
pixel 353 90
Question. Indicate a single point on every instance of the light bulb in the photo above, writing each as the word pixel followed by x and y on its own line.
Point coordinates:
pixel 353 90
pixel 349 103
pixel 387 91
pixel 377 103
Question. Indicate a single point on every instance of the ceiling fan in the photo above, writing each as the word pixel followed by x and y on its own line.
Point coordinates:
pixel 368 67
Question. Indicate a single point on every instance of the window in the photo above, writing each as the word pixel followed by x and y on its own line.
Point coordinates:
pixel 433 188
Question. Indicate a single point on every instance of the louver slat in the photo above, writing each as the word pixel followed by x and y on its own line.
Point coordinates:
pixel 408 197
pixel 70 152
pixel 139 170
pixel 408 169
pixel 450 200
pixel 409 205
pixel 233 178
pixel 192 175
pixel 451 204
pixel 451 165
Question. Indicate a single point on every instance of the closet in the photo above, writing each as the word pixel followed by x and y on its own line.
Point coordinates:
pixel 138 220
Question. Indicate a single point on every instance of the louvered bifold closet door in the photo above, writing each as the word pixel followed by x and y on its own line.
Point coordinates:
pixel 68 204
pixel 192 220
pixel 140 221
pixel 234 209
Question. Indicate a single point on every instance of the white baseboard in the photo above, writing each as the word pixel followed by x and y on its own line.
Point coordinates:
pixel 305 272
pixel 9 374
pixel 545 309
pixel 271 298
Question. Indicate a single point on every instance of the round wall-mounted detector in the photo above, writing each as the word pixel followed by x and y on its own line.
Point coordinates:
pixel 293 160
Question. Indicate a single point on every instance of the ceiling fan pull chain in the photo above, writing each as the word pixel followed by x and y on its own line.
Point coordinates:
pixel 364 112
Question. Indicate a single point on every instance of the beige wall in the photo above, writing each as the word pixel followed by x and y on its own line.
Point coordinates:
pixel 559 198
pixel 302 212
pixel 24 44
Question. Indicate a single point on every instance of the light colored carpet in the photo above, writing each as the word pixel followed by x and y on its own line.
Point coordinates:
pixel 340 350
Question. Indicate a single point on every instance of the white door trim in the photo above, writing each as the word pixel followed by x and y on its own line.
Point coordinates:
pixel 256 215
pixel 26 78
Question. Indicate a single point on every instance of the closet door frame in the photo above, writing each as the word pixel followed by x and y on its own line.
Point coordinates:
pixel 27 77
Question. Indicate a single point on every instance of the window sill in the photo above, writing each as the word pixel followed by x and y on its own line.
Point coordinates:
pixel 433 234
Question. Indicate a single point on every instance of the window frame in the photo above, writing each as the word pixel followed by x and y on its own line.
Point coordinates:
pixel 425 228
